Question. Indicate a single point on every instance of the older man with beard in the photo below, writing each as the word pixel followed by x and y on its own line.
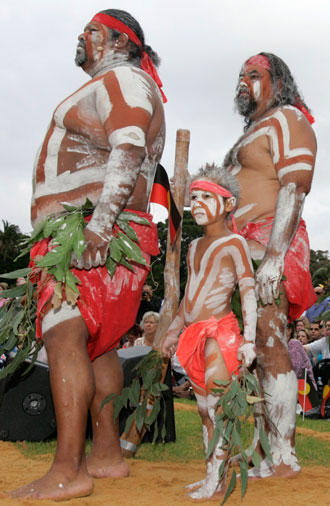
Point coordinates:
pixel 274 163
pixel 103 143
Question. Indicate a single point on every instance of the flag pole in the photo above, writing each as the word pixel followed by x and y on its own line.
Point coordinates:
pixel 304 403
pixel 172 265
pixel 130 441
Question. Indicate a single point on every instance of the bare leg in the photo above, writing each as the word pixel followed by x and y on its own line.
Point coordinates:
pixel 215 369
pixel 207 428
pixel 280 386
pixel 72 384
pixel 105 459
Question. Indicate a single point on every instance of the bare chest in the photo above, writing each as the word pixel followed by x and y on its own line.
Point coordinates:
pixel 83 113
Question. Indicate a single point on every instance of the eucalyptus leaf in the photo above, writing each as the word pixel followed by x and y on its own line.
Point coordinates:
pixel 18 291
pixel 231 487
pixel 244 477
pixel 20 273
pixel 127 216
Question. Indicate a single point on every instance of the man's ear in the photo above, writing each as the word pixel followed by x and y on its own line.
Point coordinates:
pixel 230 204
pixel 122 41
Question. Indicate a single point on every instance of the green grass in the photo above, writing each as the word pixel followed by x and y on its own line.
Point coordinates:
pixel 188 446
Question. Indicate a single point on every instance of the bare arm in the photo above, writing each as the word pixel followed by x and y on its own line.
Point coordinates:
pixel 246 285
pixel 294 170
pixel 171 339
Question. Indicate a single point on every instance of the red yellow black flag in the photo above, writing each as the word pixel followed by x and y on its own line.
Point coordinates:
pixel 161 194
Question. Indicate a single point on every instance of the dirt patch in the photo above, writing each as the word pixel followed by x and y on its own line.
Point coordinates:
pixel 162 484
pixel 323 436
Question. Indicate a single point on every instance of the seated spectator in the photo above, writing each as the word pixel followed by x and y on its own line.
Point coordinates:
pixel 303 336
pixel 315 331
pixel 131 335
pixel 149 302
pixel 299 324
pixel 320 305
pixel 300 360
pixel 321 347
pixel 149 325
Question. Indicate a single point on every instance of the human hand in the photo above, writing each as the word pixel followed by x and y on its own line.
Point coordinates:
pixel 247 353
pixel 169 346
pixel 268 279
pixel 96 251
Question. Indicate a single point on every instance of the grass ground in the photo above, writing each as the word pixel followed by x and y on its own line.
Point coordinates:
pixel 311 449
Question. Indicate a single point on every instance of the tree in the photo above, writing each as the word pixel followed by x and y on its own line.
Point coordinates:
pixel 10 247
pixel 190 231
pixel 320 267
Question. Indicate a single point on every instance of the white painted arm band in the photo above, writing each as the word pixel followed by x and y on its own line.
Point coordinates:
pixel 293 168
pixel 127 135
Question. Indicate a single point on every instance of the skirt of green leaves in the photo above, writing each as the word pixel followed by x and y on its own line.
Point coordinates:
pixel 17 316
pixel 146 390
pixel 236 399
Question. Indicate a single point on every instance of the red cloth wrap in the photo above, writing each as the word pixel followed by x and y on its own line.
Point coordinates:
pixel 191 348
pixel 298 285
pixel 108 305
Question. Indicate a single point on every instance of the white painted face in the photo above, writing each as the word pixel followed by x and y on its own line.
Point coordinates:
pixel 205 206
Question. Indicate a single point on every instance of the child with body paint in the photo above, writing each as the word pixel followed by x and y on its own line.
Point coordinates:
pixel 211 346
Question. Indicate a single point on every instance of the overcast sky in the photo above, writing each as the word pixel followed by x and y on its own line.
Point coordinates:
pixel 202 43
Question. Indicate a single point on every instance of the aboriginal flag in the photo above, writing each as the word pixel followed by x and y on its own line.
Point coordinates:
pixel 161 194
pixel 311 395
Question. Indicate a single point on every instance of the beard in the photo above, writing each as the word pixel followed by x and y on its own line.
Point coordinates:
pixel 245 105
pixel 81 55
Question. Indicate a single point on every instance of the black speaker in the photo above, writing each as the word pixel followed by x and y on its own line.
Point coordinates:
pixel 27 409
pixel 129 358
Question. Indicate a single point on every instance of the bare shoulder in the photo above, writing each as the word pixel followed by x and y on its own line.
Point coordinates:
pixel 133 83
pixel 237 240
pixel 295 120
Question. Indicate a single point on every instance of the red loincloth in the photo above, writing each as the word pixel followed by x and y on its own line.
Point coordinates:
pixel 298 285
pixel 191 348
pixel 108 305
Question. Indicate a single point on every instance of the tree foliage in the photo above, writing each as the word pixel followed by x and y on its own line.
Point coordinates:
pixel 190 231
pixel 11 238
pixel 320 267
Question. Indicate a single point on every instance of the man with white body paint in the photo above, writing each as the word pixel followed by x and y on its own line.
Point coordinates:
pixel 274 163
pixel 211 345
pixel 103 143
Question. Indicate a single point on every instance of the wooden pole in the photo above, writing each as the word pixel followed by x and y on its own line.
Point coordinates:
pixel 172 265
pixel 130 441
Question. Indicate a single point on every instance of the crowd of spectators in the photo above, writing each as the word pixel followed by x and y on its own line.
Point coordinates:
pixel 308 345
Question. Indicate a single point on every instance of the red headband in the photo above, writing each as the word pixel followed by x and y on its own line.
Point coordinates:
pixel 259 59
pixel 263 61
pixel 146 63
pixel 201 184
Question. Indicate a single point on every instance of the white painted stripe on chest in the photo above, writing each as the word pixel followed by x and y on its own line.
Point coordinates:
pixel 135 88
pixel 54 143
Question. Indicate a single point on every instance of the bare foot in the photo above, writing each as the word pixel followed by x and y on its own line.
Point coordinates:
pixel 266 470
pixel 196 484
pixel 57 486
pixel 107 468
pixel 285 471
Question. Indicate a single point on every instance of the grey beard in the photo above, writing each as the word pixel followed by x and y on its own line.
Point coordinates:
pixel 81 56
pixel 245 105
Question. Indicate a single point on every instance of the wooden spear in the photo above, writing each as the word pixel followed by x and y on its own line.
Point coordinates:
pixel 130 441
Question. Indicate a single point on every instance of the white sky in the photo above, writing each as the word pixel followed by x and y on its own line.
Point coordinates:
pixel 202 45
